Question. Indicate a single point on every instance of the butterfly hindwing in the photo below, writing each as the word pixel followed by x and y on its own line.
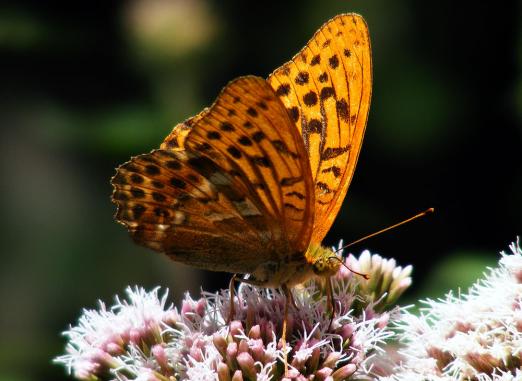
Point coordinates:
pixel 236 196
pixel 326 89
pixel 168 203
pixel 175 141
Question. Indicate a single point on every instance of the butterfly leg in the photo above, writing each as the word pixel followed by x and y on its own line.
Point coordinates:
pixel 330 305
pixel 232 291
pixel 231 286
pixel 290 295
pixel 289 300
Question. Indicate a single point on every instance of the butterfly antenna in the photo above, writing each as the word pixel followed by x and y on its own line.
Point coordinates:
pixel 422 214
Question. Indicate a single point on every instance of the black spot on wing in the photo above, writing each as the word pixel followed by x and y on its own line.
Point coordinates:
pixel 288 181
pixel 236 153
pixel 283 90
pixel 252 112
pixel 203 147
pixel 302 78
pixel 138 210
pixel 258 136
pixel 245 141
pixel 299 195
pixel 136 179
pixel 178 183
pixel 294 113
pixel 213 135
pixel 323 187
pixel 262 161
pixel 158 197
pixel 330 153
pixel 334 169
pixel 152 169
pixel 333 61
pixel 342 109
pixel 173 164
pixel 310 98
pixel 137 192
pixel 281 147
pixel 262 105
pixel 227 127
pixel 314 126
pixel 293 207
pixel 323 78
pixel 327 92
pixel 157 184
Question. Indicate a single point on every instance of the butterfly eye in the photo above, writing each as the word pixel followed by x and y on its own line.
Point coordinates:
pixel 319 266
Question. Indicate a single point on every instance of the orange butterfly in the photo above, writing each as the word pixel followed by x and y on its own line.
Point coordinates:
pixel 252 184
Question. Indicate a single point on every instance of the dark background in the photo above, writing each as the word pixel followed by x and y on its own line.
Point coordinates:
pixel 84 88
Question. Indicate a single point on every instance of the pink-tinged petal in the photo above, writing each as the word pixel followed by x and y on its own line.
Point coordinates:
pixel 114 349
pixel 323 373
pixel 243 347
pixel 232 355
pixel 161 357
pixel 292 374
pixel 344 372
pixel 135 336
pixel 255 332
pixel 196 354
pixel 238 376
pixel 200 307
pixel 236 327
pixel 257 349
pixel 186 307
pixel 268 331
pixel 247 365
pixel 223 372
pixel 382 321
pixel 313 361
pixel 332 359
pixel 346 331
pixel 220 343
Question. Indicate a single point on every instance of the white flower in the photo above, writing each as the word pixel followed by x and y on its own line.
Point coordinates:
pixel 474 336
pixel 141 338
pixel 117 341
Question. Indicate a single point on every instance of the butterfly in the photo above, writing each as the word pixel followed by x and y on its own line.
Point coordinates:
pixel 252 184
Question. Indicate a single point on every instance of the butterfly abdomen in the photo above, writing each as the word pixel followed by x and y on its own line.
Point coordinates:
pixel 283 272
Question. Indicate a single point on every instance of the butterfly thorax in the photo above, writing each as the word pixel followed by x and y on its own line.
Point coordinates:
pixel 316 261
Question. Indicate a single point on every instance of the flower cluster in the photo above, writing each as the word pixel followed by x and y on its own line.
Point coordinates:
pixel 477 336
pixel 141 338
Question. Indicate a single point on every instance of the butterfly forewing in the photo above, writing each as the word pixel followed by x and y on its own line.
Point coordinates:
pixel 248 132
pixel 326 89
pixel 236 196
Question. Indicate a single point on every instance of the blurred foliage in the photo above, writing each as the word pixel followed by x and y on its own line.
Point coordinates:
pixel 21 31
pixel 84 87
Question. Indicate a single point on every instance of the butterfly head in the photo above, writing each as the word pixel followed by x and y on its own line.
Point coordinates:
pixel 324 261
